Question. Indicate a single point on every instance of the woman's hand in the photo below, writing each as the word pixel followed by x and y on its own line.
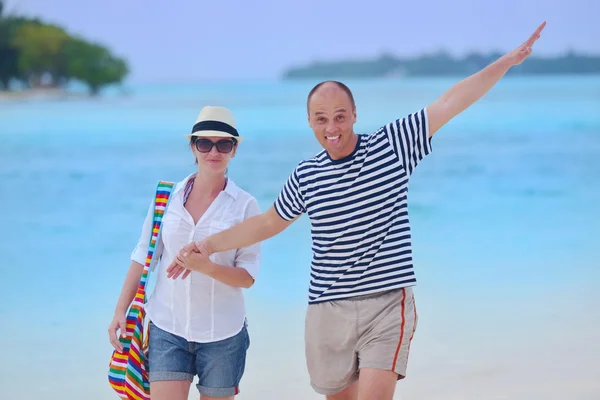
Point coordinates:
pixel 195 257
pixel 179 265
pixel 118 323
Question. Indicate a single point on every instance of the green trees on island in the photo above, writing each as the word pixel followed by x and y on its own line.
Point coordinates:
pixel 442 64
pixel 37 54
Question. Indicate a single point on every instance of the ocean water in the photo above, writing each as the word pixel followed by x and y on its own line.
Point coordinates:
pixel 504 212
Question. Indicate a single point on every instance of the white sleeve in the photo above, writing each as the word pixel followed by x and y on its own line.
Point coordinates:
pixel 140 251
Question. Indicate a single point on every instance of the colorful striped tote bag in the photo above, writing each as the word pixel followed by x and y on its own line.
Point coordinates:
pixel 128 370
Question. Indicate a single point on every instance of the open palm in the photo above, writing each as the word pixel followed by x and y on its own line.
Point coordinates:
pixel 518 55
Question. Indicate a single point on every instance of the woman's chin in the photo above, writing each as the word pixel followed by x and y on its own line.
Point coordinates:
pixel 214 168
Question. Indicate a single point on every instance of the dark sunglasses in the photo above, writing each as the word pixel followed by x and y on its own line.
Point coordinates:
pixel 223 146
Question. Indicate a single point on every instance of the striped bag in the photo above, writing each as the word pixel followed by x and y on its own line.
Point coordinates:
pixel 128 370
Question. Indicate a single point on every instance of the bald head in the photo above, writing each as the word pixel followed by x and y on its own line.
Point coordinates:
pixel 330 88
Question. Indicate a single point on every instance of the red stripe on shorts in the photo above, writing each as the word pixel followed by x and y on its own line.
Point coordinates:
pixel 401 331
pixel 415 316
pixel 414 320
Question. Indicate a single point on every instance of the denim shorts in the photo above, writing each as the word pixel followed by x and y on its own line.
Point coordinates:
pixel 219 365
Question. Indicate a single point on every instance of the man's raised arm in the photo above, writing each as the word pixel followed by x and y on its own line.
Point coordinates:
pixel 466 92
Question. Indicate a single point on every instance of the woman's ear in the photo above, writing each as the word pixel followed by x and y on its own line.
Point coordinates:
pixel 192 148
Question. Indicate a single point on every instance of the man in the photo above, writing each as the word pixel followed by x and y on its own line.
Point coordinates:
pixel 361 315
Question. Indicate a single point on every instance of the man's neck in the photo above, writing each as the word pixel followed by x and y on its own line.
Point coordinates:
pixel 348 150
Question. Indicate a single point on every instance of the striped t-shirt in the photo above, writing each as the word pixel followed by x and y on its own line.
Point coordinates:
pixel 358 211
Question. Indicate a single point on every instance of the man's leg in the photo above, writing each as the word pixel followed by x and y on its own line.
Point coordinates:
pixel 372 331
pixel 350 393
pixel 376 384
pixel 387 324
pixel 331 339
pixel 373 384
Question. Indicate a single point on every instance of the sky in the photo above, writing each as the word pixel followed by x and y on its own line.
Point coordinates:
pixel 177 40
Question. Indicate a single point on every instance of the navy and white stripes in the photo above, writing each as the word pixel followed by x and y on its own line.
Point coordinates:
pixel 357 206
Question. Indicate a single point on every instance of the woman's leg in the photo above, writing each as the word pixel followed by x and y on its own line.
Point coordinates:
pixel 203 397
pixel 220 366
pixel 170 390
pixel 171 365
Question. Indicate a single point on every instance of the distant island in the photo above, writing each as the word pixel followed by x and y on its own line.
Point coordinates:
pixel 37 56
pixel 442 64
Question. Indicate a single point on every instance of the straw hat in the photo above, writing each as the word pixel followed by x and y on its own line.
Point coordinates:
pixel 215 121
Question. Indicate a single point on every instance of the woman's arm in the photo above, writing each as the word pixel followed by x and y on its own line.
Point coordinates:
pixel 125 298
pixel 129 288
pixel 233 276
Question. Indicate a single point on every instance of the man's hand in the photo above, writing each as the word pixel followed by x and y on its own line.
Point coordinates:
pixel 466 92
pixel 179 264
pixel 518 55
pixel 198 261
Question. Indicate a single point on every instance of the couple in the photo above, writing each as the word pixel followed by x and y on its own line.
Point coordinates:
pixel 361 316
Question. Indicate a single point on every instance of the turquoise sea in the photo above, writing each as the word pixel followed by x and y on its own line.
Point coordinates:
pixel 504 211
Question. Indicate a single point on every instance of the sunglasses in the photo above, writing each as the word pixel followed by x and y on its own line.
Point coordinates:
pixel 223 146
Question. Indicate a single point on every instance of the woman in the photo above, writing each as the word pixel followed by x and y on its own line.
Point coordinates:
pixel 198 324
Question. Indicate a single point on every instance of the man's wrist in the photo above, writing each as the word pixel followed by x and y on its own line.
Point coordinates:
pixel 505 62
pixel 207 245
pixel 211 269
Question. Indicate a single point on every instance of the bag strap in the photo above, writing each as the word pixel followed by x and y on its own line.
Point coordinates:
pixel 161 202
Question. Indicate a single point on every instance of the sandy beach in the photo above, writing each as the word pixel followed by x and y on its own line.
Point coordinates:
pixel 38 94
pixel 533 349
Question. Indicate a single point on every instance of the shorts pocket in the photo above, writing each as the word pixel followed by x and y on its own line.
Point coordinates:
pixel 247 335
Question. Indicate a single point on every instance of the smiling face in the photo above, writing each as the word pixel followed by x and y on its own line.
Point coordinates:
pixel 213 160
pixel 331 115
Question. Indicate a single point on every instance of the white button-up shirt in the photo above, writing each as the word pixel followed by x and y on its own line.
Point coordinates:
pixel 199 308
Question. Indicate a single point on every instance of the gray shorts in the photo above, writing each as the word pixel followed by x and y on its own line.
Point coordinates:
pixel 372 331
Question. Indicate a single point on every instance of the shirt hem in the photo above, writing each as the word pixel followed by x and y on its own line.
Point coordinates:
pixel 191 338
pixel 362 293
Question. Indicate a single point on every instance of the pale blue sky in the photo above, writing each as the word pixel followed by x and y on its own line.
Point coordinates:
pixel 258 39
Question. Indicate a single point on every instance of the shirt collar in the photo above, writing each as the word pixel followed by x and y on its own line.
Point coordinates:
pixel 231 188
